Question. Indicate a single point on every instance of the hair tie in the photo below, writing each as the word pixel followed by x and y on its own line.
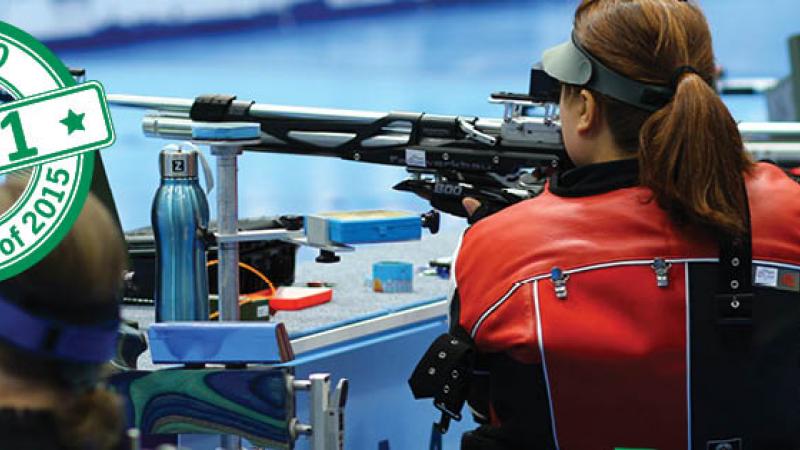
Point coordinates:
pixel 678 74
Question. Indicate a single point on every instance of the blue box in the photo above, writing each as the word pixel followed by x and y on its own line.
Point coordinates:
pixel 392 277
pixel 364 227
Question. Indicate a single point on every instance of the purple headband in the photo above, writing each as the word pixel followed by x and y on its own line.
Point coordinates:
pixel 58 340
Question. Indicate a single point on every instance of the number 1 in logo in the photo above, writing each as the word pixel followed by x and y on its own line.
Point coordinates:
pixel 23 151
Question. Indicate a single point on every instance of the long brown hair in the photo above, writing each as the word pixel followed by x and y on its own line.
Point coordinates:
pixel 80 277
pixel 690 152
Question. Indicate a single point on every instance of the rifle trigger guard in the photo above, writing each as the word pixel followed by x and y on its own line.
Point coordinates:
pixel 472 133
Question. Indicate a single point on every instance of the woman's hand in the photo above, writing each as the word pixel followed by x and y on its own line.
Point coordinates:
pixel 471 205
pixel 477 210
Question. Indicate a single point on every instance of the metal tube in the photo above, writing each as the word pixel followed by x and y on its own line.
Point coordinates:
pixel 267 111
pixel 746 85
pixel 279 112
pixel 263 111
pixel 320 394
pixel 228 224
pixel 171 127
pixel 134 438
pixel 778 151
pixel 147 102
pixel 154 125
pixel 261 235
pixel 770 128
pixel 178 128
pixel 228 252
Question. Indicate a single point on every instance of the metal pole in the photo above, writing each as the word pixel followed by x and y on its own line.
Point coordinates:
pixel 227 224
pixel 320 394
pixel 228 252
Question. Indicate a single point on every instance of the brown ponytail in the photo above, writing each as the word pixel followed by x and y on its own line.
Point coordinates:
pixel 90 420
pixel 690 152
pixel 692 157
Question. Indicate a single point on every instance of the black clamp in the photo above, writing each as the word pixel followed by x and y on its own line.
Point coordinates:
pixel 444 374
pixel 291 222
pixel 327 257
pixel 219 108
pixel 431 220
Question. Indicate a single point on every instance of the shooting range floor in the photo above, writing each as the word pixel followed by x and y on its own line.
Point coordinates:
pixel 353 296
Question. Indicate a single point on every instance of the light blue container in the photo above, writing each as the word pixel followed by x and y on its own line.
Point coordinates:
pixel 369 227
pixel 392 277
pixel 180 218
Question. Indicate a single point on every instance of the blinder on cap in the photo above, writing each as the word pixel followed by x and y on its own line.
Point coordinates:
pixel 567 64
pixel 570 63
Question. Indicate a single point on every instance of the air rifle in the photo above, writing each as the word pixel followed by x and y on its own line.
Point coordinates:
pixel 498 161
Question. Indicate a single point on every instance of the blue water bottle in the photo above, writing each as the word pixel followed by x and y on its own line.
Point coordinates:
pixel 180 219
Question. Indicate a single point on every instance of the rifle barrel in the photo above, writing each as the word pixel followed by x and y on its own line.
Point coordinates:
pixel 173 121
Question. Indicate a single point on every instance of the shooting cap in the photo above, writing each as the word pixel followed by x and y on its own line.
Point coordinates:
pixel 570 63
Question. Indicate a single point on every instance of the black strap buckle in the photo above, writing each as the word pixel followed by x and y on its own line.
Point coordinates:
pixel 444 422
pixel 444 373
pixel 728 444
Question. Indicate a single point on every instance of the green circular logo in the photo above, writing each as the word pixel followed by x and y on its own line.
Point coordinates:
pixel 52 129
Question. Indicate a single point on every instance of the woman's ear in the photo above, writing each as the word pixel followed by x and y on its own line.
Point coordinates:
pixel 588 112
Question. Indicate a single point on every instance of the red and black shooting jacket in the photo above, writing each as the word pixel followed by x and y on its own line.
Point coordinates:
pixel 602 353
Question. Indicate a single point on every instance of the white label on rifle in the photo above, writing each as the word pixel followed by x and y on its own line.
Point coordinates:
pixel 415 158
pixel 262 311
pixel 766 276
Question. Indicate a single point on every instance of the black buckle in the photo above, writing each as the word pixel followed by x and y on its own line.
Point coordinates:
pixel 211 108
pixel 727 444
pixel 444 422
pixel 444 373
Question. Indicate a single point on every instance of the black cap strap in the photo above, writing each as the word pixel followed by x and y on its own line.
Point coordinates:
pixel 649 97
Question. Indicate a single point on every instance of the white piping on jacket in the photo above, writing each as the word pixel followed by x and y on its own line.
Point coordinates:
pixel 635 262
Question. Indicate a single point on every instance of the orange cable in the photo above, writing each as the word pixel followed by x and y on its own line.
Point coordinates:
pixel 250 296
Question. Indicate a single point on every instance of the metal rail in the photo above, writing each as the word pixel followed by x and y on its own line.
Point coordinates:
pixel 755 134
pixel 177 125
pixel 746 86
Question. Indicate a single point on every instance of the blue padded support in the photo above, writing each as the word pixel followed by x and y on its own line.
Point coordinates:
pixel 225 131
pixel 219 343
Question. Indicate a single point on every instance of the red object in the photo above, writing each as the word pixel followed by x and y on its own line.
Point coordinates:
pixel 291 298
pixel 795 171
pixel 789 280
pixel 614 348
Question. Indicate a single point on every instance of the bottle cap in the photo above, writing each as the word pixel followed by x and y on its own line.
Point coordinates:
pixel 177 163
